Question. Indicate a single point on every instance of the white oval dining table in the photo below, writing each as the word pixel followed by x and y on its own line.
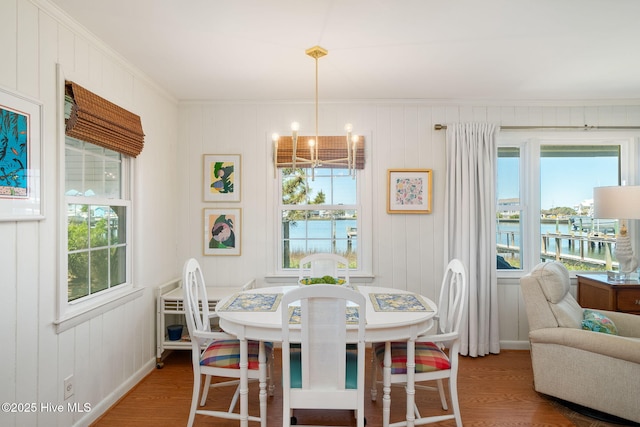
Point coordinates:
pixel 249 316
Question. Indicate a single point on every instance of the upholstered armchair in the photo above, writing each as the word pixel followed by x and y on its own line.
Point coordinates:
pixel 597 370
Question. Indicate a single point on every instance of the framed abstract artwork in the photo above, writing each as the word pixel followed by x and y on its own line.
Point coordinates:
pixel 20 157
pixel 221 178
pixel 222 231
pixel 409 190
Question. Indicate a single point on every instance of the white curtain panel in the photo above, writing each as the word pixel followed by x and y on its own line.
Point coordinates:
pixel 470 213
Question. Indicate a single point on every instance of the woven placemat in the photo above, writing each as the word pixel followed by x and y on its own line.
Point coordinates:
pixel 398 302
pixel 253 302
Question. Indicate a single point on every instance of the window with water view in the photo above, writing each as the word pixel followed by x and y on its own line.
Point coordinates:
pixel 318 215
pixel 555 221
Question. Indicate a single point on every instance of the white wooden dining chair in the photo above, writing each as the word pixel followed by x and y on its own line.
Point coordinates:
pixel 251 284
pixel 215 353
pixel 320 373
pixel 324 264
pixel 436 356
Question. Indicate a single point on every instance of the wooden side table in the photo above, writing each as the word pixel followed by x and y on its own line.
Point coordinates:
pixel 595 291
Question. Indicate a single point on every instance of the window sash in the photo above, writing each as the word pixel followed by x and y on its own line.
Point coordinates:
pixel 109 192
pixel 533 147
pixel 305 207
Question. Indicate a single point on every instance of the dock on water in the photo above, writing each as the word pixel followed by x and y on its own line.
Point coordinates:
pixel 552 244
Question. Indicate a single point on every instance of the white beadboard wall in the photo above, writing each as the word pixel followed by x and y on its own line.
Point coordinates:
pixel 407 250
pixel 111 352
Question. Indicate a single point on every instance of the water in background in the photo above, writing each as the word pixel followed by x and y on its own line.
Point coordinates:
pixel 505 228
pixel 317 236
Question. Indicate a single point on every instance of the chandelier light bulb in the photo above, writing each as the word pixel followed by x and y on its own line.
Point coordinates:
pixel 330 151
pixel 312 143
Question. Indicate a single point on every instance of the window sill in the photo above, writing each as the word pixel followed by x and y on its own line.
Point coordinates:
pixel 88 312
pixel 289 279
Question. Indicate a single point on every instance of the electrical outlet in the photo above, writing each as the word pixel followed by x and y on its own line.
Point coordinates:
pixel 69 388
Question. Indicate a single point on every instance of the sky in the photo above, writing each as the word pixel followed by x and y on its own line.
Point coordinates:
pixel 344 194
pixel 565 181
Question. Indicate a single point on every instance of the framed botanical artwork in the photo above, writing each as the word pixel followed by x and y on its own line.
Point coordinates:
pixel 221 178
pixel 222 231
pixel 20 157
pixel 409 190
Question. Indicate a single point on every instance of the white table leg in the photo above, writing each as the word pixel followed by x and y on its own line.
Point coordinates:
pixel 244 383
pixel 262 366
pixel 374 374
pixel 386 385
pixel 410 387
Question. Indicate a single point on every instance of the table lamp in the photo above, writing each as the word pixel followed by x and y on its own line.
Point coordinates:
pixel 622 203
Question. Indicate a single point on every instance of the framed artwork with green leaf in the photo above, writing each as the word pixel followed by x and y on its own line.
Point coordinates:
pixel 221 177
pixel 222 231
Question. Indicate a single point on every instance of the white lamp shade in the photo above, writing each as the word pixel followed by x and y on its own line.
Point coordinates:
pixel 616 202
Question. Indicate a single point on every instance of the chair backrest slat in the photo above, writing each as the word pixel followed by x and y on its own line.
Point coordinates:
pixel 452 292
pixel 324 338
pixel 324 264
pixel 195 298
pixel 323 333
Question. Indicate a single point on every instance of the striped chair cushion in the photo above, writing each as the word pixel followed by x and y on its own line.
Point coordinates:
pixel 226 354
pixel 428 357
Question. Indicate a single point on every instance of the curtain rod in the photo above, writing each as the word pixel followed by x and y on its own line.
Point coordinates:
pixel 439 126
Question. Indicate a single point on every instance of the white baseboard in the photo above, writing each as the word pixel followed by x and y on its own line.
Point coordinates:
pixel 515 345
pixel 105 404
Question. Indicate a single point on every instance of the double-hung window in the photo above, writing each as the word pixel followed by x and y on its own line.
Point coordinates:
pixel 545 201
pixel 98 219
pixel 318 215
pixel 101 139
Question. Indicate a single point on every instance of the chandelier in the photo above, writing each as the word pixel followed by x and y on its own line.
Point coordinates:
pixel 314 159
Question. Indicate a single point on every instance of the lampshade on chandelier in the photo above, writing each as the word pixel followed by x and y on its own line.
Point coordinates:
pixel 320 151
pixel 621 203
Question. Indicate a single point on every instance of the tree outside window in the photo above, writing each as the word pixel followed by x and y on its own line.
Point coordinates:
pixel 318 215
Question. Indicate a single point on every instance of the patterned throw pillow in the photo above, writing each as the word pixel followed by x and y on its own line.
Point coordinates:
pixel 598 322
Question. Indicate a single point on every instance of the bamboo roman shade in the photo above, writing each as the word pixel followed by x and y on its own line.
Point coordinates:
pixel 330 148
pixel 96 120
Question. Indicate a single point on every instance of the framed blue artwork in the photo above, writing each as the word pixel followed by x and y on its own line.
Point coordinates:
pixel 20 157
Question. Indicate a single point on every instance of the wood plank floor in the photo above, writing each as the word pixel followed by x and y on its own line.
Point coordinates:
pixel 495 390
